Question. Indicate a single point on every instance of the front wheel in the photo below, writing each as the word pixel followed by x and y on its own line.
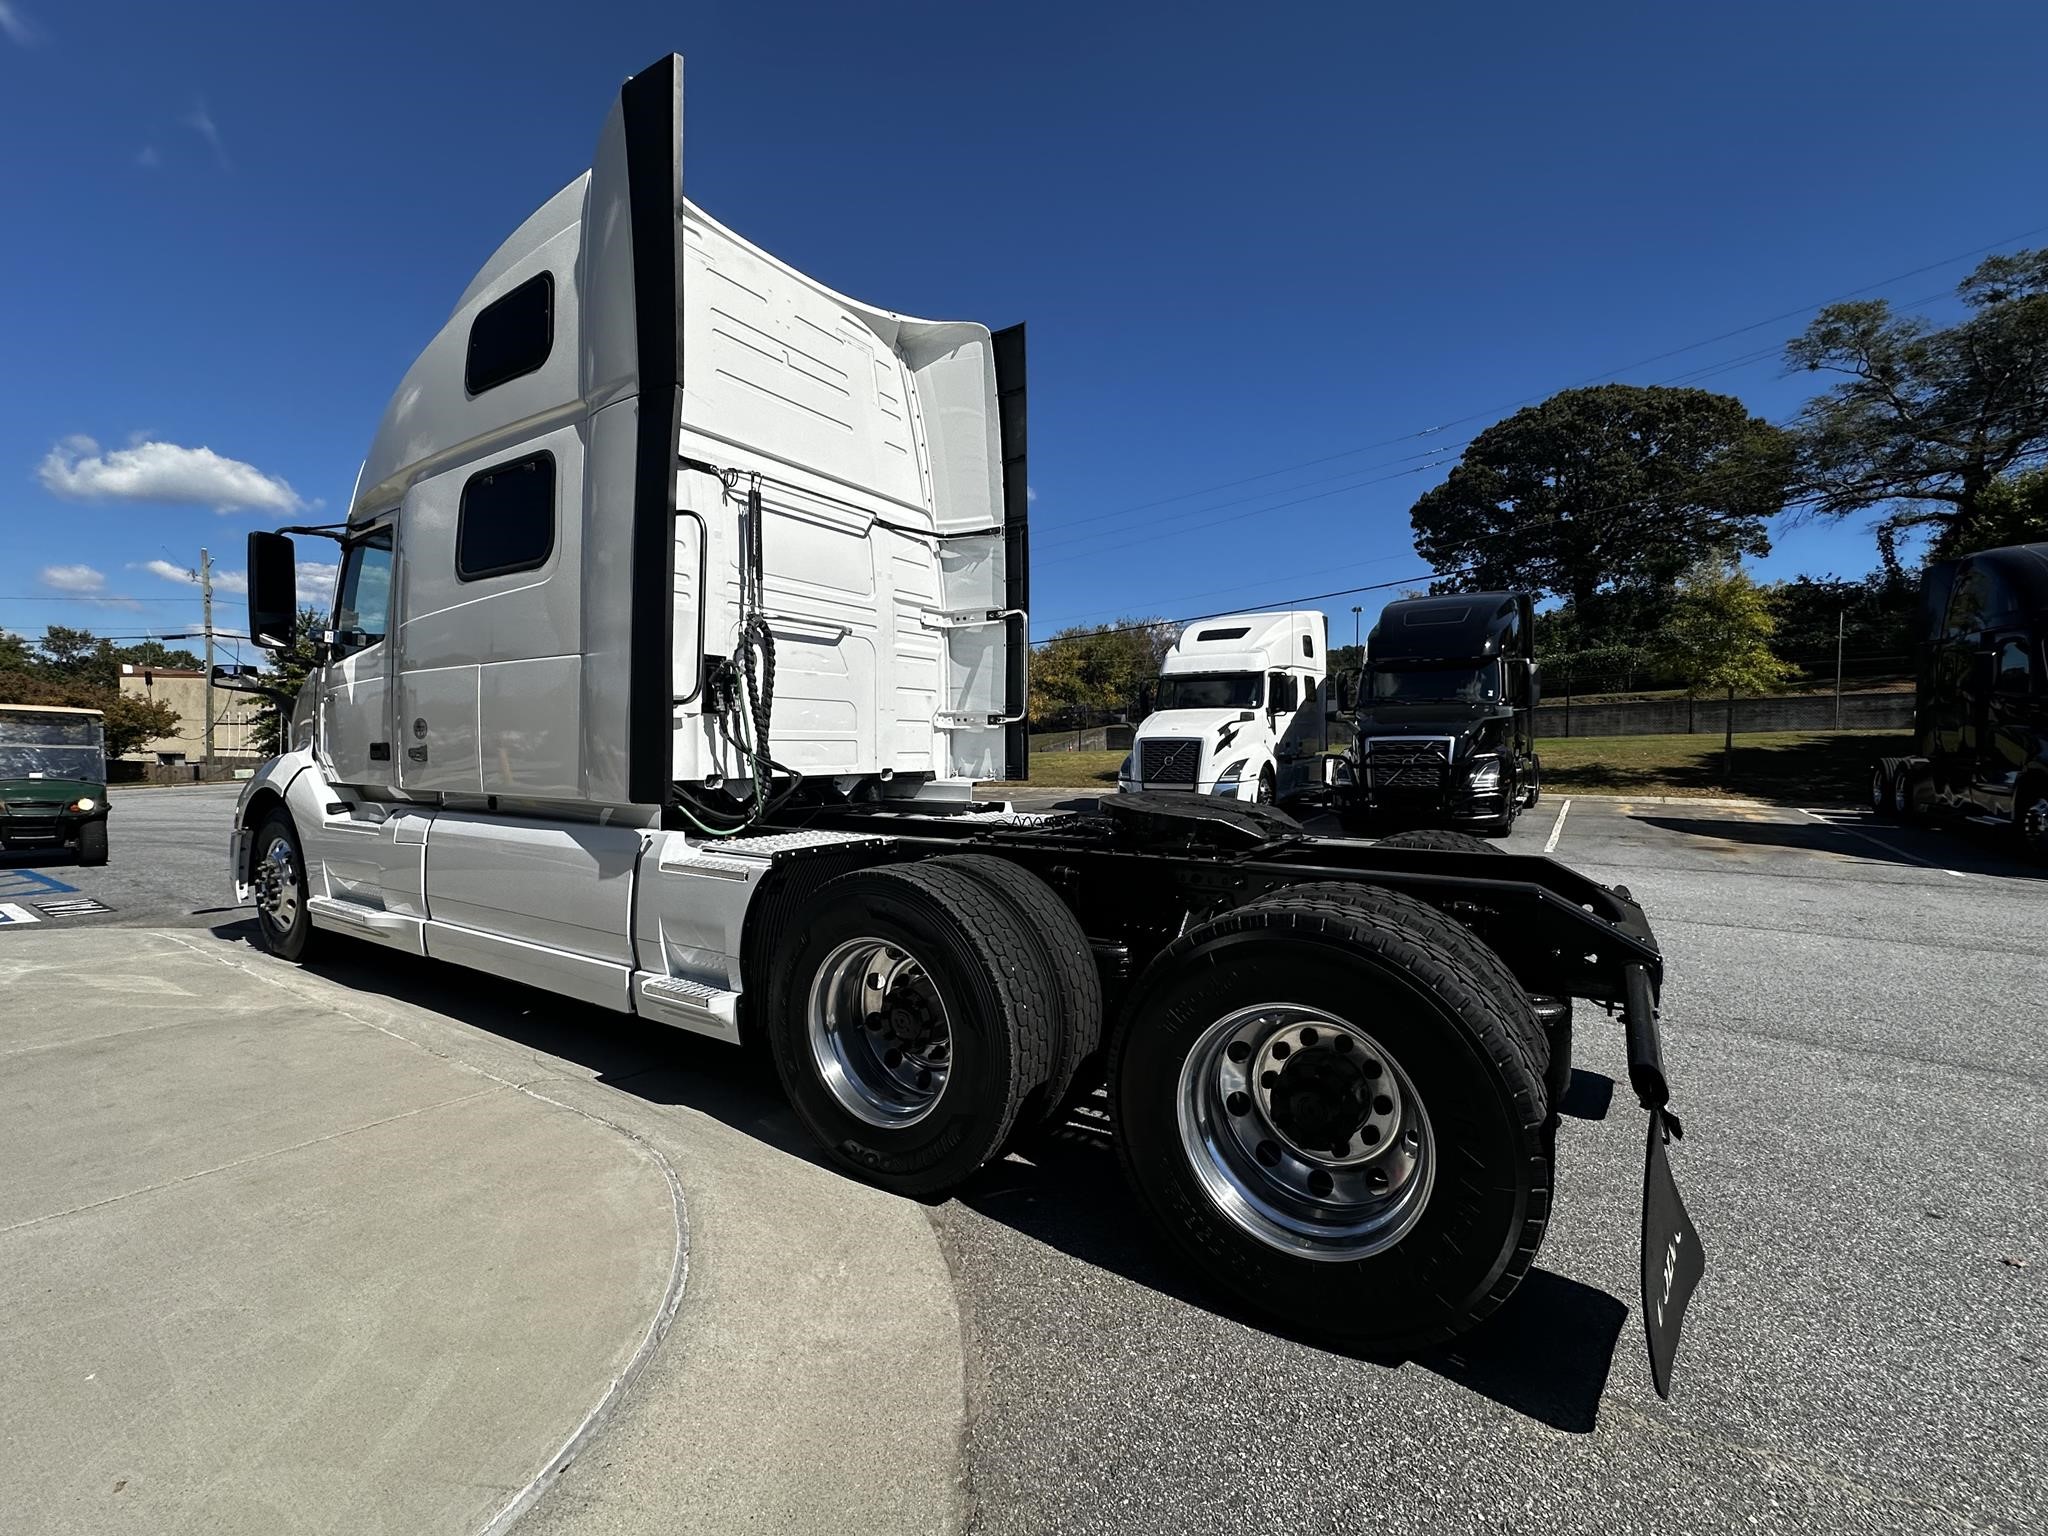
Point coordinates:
pixel 279 876
pixel 1264 794
pixel 92 843
pixel 2030 820
pixel 1336 1122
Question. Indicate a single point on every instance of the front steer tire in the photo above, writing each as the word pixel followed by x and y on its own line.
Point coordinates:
pixel 277 869
pixel 1475 1070
pixel 956 985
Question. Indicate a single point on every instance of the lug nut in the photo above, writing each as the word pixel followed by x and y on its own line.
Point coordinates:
pixel 1239 1049
pixel 1369 1135
pixel 1239 1103
pixel 1320 1183
pixel 1281 1049
pixel 1308 1037
pixel 1382 1105
pixel 1268 1153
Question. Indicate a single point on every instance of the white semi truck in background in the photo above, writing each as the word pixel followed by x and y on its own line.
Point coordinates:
pixel 682 606
pixel 1226 692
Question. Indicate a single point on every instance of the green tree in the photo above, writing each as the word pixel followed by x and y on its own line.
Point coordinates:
pixel 1613 487
pixel 288 671
pixel 1717 635
pixel 1927 421
pixel 2013 510
pixel 1081 674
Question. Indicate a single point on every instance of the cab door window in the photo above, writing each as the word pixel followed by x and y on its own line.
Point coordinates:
pixel 362 610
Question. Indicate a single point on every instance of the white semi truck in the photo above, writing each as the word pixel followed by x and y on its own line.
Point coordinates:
pixel 1226 692
pixel 681 608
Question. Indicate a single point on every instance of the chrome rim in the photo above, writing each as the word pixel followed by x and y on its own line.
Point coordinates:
pixel 1901 794
pixel 1880 795
pixel 277 885
pixel 1305 1132
pixel 880 1036
pixel 2034 824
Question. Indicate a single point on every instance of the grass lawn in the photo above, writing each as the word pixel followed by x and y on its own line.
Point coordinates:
pixel 1805 767
pixel 1809 767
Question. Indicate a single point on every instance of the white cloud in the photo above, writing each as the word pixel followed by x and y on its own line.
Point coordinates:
pixel 74 578
pixel 1030 493
pixel 201 122
pixel 232 582
pixel 148 158
pixel 16 25
pixel 316 584
pixel 163 472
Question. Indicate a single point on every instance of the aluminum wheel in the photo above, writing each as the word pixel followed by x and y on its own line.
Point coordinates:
pixel 277 885
pixel 1902 794
pixel 1305 1132
pixel 880 1036
pixel 2033 825
pixel 1880 790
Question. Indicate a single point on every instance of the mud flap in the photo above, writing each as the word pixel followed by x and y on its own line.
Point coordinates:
pixel 1673 1261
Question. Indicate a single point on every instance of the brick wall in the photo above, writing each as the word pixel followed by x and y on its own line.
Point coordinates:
pixel 1706 717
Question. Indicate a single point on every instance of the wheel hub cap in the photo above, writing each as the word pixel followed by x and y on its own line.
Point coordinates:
pixel 879 1033
pixel 277 885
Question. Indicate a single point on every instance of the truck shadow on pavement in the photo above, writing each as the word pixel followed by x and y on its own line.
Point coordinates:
pixel 1546 1354
pixel 1875 842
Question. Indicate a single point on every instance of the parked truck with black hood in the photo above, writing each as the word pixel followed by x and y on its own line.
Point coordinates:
pixel 1439 730
pixel 1980 707
pixel 682 607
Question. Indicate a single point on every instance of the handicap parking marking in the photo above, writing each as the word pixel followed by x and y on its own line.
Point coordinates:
pixel 12 915
pixel 32 882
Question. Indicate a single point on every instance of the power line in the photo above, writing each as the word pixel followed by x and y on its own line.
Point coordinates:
pixel 1196 618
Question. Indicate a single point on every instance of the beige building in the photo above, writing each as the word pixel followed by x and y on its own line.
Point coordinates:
pixel 185 690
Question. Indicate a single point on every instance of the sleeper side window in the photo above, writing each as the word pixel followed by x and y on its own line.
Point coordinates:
pixel 1284 694
pixel 511 336
pixel 362 607
pixel 507 519
pixel 2015 668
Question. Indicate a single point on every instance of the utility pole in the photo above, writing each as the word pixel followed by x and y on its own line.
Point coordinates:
pixel 206 609
pixel 1356 610
pixel 1838 667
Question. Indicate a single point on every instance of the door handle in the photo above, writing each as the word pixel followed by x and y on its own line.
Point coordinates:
pixel 380 751
pixel 416 754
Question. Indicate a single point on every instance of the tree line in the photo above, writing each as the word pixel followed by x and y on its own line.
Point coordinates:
pixel 81 669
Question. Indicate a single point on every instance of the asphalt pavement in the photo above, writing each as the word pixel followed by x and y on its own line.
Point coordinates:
pixel 1853 1033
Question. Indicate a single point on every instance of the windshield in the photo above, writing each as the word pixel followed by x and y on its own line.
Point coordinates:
pixel 1435 685
pixel 22 762
pixel 1211 690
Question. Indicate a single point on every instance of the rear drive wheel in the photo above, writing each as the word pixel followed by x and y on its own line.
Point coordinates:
pixel 1335 1121
pixel 910 1020
pixel 92 843
pixel 1880 790
pixel 1046 921
pixel 278 873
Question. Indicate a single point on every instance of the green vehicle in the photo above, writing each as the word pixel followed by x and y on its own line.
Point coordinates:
pixel 53 779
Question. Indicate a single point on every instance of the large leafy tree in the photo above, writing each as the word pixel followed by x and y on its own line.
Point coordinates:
pixel 1083 674
pixel 130 721
pixel 288 670
pixel 1615 486
pixel 1927 421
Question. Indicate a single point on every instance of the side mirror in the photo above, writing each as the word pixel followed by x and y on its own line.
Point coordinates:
pixel 273 591
pixel 1248 715
pixel 1535 683
pixel 249 680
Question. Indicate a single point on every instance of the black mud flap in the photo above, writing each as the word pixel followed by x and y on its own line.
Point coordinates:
pixel 1673 1261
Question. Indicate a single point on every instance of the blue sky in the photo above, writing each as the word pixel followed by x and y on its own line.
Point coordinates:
pixel 1262 251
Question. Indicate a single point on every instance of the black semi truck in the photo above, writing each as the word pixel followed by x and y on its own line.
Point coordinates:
pixel 1980 711
pixel 1440 728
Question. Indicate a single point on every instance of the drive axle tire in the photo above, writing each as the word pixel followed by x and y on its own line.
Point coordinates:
pixel 1881 791
pixel 1440 838
pixel 1045 920
pixel 910 1021
pixel 92 843
pixel 278 871
pixel 1336 1122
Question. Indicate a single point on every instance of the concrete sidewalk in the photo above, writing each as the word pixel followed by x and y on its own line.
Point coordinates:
pixel 280 1254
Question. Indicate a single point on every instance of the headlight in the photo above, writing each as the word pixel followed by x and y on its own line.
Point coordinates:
pixel 84 803
pixel 1227 783
pixel 1486 775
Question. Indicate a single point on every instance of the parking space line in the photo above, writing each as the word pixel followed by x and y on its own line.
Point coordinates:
pixel 1893 848
pixel 1557 827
